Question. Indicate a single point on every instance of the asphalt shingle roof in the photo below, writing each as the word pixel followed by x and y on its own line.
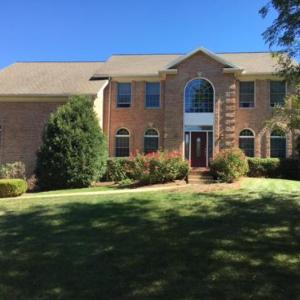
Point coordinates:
pixel 50 78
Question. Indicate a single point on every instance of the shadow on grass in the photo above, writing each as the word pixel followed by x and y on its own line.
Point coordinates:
pixel 227 247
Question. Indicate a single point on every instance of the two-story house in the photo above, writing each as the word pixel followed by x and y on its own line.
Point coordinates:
pixel 196 103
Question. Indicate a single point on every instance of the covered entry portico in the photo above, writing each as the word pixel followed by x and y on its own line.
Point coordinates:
pixel 198 121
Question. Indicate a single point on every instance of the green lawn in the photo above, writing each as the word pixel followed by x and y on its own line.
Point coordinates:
pixel 80 190
pixel 238 244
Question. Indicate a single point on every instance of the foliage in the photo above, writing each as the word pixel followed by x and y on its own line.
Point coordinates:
pixel 284 33
pixel 73 152
pixel 12 187
pixel 297 146
pixel 289 169
pixel 263 167
pixel 12 170
pixel 119 169
pixel 229 165
pixel 158 167
pixel 287 116
pixel 274 168
pixel 125 183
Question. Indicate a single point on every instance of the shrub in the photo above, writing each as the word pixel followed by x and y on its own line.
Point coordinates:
pixel 289 168
pixel 12 170
pixel 125 183
pixel 264 167
pixel 298 146
pixel 229 165
pixel 12 187
pixel 159 167
pixel 119 169
pixel 73 152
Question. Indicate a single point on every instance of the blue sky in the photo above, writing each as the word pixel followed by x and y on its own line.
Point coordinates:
pixel 35 30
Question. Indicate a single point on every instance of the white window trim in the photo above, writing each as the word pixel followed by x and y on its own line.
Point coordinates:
pixel 157 107
pixel 254 100
pixel 131 95
pixel 285 90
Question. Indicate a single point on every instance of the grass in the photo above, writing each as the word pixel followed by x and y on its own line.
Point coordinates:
pixel 79 190
pixel 238 244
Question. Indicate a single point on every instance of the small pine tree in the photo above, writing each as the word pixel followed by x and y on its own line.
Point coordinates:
pixel 73 151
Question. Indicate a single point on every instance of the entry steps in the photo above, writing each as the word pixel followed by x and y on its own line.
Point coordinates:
pixel 200 176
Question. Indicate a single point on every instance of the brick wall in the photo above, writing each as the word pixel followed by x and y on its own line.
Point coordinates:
pixel 200 65
pixel 136 118
pixel 22 124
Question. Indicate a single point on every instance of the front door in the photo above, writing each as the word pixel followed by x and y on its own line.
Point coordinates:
pixel 198 149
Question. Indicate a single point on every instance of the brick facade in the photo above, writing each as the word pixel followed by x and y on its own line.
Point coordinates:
pixel 22 122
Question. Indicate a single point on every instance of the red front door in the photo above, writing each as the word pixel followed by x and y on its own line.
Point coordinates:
pixel 198 149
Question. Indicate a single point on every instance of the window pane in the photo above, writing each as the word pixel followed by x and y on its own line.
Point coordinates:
pixel 187 146
pixel 124 95
pixel 210 145
pixel 199 97
pixel 278 147
pixel 277 92
pixel 122 146
pixel 152 94
pixel 150 144
pixel 246 94
pixel 247 145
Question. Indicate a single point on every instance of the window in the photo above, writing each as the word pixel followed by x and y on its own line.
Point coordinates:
pixel 278 144
pixel 124 95
pixel 277 92
pixel 187 145
pixel 246 94
pixel 151 141
pixel 152 94
pixel 122 143
pixel 246 142
pixel 199 96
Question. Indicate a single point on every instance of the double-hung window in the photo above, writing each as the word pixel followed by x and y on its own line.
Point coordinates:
pixel 247 94
pixel 152 95
pixel 124 94
pixel 277 92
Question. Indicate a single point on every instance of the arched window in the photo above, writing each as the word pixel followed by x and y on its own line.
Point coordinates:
pixel 278 143
pixel 151 141
pixel 122 143
pixel 199 96
pixel 246 142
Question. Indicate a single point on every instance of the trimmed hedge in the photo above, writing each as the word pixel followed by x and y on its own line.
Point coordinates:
pixel 229 165
pixel 288 168
pixel 12 170
pixel 263 167
pixel 159 167
pixel 12 187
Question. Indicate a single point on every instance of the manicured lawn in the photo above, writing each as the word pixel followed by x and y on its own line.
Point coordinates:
pixel 80 190
pixel 238 244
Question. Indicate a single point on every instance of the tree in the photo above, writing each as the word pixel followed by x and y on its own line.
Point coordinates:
pixel 284 33
pixel 73 151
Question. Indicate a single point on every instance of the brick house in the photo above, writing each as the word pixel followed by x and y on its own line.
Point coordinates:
pixel 196 103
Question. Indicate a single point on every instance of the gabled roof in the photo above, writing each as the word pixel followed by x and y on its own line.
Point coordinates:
pixel 50 79
pixel 135 65
pixel 253 62
pixel 203 50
